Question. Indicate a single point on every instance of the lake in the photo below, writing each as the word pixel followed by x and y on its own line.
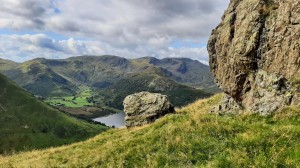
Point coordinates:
pixel 117 120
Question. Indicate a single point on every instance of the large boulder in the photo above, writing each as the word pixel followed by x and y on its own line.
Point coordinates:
pixel 144 107
pixel 255 54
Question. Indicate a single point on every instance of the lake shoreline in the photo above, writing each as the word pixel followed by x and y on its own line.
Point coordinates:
pixel 116 120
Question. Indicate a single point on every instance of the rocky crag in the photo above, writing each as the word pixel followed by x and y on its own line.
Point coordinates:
pixel 144 108
pixel 255 55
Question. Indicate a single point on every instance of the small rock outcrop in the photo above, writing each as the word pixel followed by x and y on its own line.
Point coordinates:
pixel 255 54
pixel 144 107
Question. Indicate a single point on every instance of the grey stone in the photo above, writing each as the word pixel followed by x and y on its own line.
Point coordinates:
pixel 144 108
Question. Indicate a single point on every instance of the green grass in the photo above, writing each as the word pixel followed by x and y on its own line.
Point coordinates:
pixel 26 123
pixel 7 64
pixel 190 138
pixel 86 92
pixel 295 81
pixel 69 101
pixel 80 100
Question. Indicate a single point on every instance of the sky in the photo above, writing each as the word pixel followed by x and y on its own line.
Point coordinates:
pixel 128 28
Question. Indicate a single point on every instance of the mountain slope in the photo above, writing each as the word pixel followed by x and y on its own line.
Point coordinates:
pixel 7 64
pixel 110 79
pixel 190 138
pixel 39 79
pixel 27 123
pixel 101 72
pixel 110 69
pixel 183 70
pixel 179 94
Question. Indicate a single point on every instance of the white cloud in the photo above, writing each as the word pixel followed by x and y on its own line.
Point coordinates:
pixel 20 14
pixel 137 22
pixel 26 47
pixel 125 28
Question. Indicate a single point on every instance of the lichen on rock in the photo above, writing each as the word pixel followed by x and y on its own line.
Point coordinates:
pixel 144 108
pixel 255 54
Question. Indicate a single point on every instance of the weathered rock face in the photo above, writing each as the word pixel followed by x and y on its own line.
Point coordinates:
pixel 144 107
pixel 255 53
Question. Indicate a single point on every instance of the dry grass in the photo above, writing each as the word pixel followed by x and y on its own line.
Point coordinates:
pixel 190 138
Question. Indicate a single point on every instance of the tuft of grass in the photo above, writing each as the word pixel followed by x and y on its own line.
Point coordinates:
pixel 190 138
pixel 295 81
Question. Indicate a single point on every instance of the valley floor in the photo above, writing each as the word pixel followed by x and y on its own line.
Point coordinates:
pixel 190 138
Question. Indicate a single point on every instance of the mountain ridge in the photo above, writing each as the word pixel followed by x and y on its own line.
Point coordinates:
pixel 110 78
pixel 174 68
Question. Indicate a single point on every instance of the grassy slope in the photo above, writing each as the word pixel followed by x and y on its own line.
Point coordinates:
pixel 7 64
pixel 39 79
pixel 27 123
pixel 190 138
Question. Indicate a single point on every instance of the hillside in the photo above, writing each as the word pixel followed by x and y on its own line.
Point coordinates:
pixel 182 70
pixel 7 64
pixel 41 80
pixel 26 123
pixel 191 138
pixel 100 72
pixel 179 94
pixel 108 79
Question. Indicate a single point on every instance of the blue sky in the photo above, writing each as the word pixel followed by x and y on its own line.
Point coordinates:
pixel 136 28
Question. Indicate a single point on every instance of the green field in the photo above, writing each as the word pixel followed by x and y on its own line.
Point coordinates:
pixel 77 101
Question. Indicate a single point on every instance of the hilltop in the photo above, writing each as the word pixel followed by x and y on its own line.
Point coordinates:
pixel 192 137
pixel 7 64
pixel 27 123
